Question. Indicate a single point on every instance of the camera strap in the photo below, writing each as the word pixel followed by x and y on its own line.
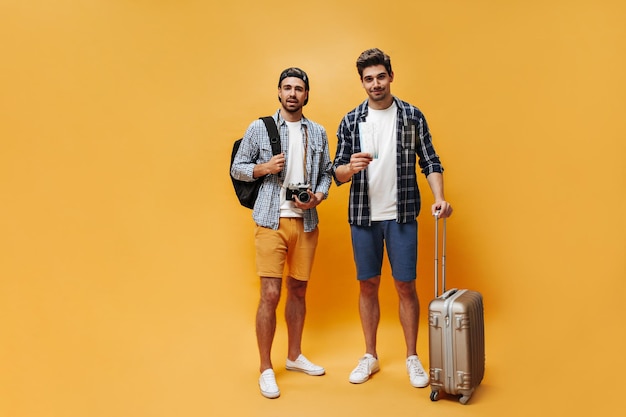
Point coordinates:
pixel 306 150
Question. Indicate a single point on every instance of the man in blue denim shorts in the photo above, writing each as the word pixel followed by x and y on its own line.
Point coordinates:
pixel 380 144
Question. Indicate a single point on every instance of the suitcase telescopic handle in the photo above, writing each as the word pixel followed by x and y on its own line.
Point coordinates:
pixel 443 256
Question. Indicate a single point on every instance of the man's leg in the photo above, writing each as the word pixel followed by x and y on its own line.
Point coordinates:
pixel 401 242
pixel 367 247
pixel 295 311
pixel 409 314
pixel 369 310
pixel 266 319
pixel 409 317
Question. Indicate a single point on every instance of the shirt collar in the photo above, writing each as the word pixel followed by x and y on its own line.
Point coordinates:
pixel 280 120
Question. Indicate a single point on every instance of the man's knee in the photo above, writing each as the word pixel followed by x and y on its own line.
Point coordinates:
pixel 369 287
pixel 270 291
pixel 406 290
pixel 296 288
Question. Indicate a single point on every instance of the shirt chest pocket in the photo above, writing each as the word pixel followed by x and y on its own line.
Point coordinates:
pixel 265 152
pixel 314 157
pixel 316 149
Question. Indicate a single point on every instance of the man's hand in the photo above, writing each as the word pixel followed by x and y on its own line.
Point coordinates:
pixel 358 162
pixel 442 209
pixel 314 201
pixel 273 166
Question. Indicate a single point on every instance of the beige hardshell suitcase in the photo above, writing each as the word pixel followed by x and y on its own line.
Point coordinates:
pixel 456 335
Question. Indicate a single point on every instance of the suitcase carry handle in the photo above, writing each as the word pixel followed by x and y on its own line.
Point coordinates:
pixel 443 256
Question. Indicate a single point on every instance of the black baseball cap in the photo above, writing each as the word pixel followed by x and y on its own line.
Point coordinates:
pixel 294 72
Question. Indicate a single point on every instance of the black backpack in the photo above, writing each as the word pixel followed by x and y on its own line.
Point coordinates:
pixel 247 191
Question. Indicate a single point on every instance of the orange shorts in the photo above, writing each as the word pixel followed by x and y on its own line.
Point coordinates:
pixel 288 244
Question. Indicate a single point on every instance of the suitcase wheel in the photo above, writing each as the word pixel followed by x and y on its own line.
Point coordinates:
pixel 464 399
pixel 434 395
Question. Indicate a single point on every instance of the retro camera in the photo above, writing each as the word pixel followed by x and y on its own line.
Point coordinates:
pixel 298 190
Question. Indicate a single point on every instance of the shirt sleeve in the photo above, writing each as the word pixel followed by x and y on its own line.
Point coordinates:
pixel 428 159
pixel 247 155
pixel 344 147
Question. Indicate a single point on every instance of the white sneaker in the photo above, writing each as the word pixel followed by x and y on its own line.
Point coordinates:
pixel 267 383
pixel 417 375
pixel 368 365
pixel 302 364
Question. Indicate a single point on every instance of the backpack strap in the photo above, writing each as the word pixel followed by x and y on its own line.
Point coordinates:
pixel 272 130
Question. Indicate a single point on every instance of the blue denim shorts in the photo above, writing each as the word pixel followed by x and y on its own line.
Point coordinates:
pixel 368 243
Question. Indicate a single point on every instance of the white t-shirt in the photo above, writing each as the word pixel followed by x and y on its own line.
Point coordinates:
pixel 381 172
pixel 294 171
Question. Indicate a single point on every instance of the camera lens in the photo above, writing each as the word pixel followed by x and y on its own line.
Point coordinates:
pixel 304 197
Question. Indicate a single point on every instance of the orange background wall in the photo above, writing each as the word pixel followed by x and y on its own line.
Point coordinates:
pixel 127 282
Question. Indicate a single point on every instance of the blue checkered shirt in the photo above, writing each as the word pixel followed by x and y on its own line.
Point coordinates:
pixel 414 147
pixel 255 149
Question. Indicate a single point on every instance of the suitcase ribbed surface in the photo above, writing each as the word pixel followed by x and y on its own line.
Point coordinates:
pixel 457 342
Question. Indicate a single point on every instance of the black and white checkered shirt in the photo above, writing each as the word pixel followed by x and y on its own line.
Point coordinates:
pixel 414 147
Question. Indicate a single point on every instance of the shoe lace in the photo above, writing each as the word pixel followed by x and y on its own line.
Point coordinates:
pixel 269 380
pixel 363 366
pixel 304 363
pixel 415 367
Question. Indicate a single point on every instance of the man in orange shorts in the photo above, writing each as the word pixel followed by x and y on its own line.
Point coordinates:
pixel 295 182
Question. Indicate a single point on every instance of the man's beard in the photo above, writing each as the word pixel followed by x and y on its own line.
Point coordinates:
pixel 289 107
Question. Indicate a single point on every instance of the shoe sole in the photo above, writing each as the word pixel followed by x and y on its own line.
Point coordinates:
pixel 354 381
pixel 420 386
pixel 312 373
pixel 270 395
